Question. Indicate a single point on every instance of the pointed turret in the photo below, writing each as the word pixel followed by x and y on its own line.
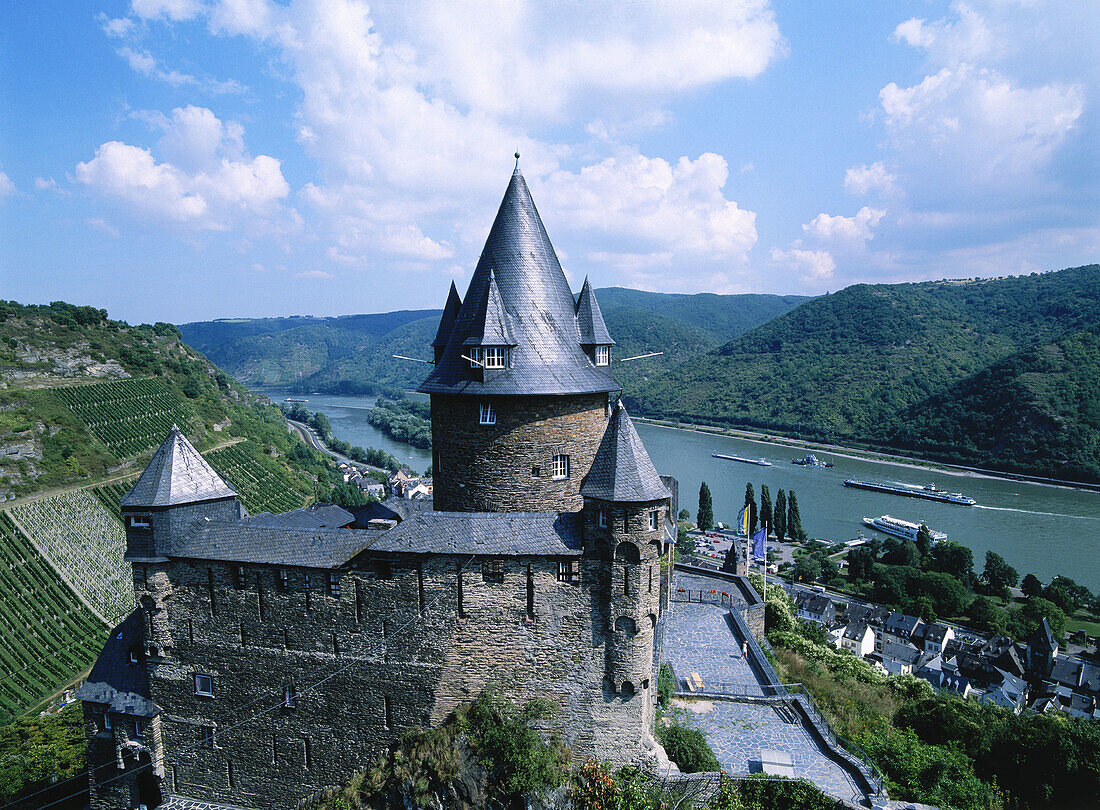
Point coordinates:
pixel 590 320
pixel 622 470
pixel 492 326
pixel 178 474
pixel 537 306
pixel 447 322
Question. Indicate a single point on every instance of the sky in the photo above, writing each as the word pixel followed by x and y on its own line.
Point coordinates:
pixel 184 160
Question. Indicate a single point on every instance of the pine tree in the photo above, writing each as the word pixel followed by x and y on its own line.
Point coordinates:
pixel 779 515
pixel 765 506
pixel 705 518
pixel 794 519
pixel 750 502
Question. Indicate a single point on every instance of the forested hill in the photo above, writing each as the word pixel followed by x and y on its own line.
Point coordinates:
pixel 353 354
pixel 887 365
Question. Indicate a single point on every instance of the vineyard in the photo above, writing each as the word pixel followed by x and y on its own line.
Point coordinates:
pixel 263 484
pixel 82 540
pixel 110 494
pixel 129 416
pixel 50 637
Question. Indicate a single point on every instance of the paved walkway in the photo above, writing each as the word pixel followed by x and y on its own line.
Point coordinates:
pixel 699 639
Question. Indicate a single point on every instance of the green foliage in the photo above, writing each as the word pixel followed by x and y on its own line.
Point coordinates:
pixel 1024 622
pixel 954 559
pixel 998 574
pixel 794 519
pixel 765 506
pixel 779 515
pixel 1031 586
pixel 404 421
pixel 983 615
pixel 38 751
pixel 705 517
pixel 264 484
pixel 770 794
pixel 666 685
pixel 687 747
pixel 750 502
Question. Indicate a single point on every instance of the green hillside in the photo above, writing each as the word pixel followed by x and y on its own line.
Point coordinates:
pixel 354 354
pixel 845 367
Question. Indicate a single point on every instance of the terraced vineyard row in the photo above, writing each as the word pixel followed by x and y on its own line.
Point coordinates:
pixel 81 539
pixel 110 494
pixel 129 416
pixel 49 635
pixel 262 484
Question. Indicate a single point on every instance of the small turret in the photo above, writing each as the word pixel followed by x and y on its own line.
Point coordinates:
pixel 595 339
pixel 447 322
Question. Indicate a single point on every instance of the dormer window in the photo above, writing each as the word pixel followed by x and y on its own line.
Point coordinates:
pixel 477 357
pixel 139 522
pixel 603 355
pixel 495 356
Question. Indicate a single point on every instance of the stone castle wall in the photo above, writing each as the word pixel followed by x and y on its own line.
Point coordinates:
pixel 492 468
pixel 397 648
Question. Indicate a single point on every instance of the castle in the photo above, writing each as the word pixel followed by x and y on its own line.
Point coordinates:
pixel 272 655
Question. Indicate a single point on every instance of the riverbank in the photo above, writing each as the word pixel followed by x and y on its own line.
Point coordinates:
pixel 874 456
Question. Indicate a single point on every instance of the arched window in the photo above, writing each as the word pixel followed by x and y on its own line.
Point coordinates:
pixel 627 690
pixel 625 624
pixel 627 552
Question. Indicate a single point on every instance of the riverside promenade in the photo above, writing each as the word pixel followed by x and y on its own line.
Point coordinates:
pixel 736 703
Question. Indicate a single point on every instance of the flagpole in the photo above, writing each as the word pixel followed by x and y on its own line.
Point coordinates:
pixel 765 594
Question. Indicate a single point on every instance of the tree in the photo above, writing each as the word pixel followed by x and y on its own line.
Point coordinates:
pixel 949 596
pixel 684 544
pixel 794 519
pixel 750 504
pixel 986 616
pixel 1057 593
pixel 956 560
pixel 1031 586
pixel 890 585
pixel 684 515
pixel 765 506
pixel 901 552
pixel 999 575
pixel 924 544
pixel 1032 614
pixel 705 518
pixel 779 515
pixel 861 565
pixel 922 606
pixel 807 569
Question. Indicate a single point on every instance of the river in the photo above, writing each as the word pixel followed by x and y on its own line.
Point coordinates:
pixel 1039 529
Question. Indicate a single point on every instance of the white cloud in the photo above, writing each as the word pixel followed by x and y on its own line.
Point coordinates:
pixel 118 28
pixel 863 179
pixel 811 265
pixel 101 225
pixel 44 184
pixel 146 64
pixel 212 186
pixel 314 274
pixel 7 187
pixel 967 38
pixel 172 9
pixel 839 229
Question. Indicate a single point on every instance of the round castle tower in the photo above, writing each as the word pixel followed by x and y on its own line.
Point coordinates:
pixel 521 386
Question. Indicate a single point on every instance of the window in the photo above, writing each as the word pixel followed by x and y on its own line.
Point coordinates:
pixel 334 585
pixel 204 684
pixel 561 466
pixel 492 570
pixel 106 721
pixel 654 520
pixel 603 355
pixel 601 518
pixel 495 356
pixel 139 729
pixel 240 578
pixel 488 414
pixel 206 736
pixel 141 522
pixel 284 579
pixel 476 356
pixel 536 471
pixel 133 655
pixel 290 696
pixel 567 571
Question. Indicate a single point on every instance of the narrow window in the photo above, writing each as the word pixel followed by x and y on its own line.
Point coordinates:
pixel 334 585
pixel 229 773
pixel 476 356
pixel 210 588
pixel 335 645
pixel 133 656
pixel 420 586
pixel 204 684
pixel 244 639
pixel 240 578
pixel 530 592
pixel 139 730
pixel 654 520
pixel 492 570
pixel 385 629
pixel 567 571
pixel 309 596
pixel 602 518
pixel 495 356
pixel 284 579
pixel 175 779
pixel 290 696
pixel 259 597
pixel 651 579
pixel 626 580
pixel 274 749
pixel 191 632
pixel 307 753
pixel 536 471
pixel 286 639
pixel 561 466
pixel 206 736
pixel 458 584
pixel 358 602
pixel 106 721
pixel 603 355
pixel 387 708
pixel 488 414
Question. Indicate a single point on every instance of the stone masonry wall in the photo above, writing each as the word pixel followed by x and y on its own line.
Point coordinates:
pixel 491 468
pixel 395 648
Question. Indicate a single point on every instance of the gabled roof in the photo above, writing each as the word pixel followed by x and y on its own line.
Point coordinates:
pixel 177 474
pixel 590 320
pixel 622 469
pixel 520 262
pixel 447 320
pixel 495 533
pixel 123 687
pixel 1043 638
pixel 491 326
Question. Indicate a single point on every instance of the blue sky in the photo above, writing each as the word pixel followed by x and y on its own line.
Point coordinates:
pixel 191 159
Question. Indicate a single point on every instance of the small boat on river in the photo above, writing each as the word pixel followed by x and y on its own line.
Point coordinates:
pixel 810 460
pixel 901 528
pixel 759 462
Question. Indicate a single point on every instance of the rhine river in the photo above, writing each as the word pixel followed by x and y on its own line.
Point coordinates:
pixel 1039 529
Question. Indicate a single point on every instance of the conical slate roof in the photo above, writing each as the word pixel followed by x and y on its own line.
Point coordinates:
pixel 590 320
pixel 1043 638
pixel 447 321
pixel 622 469
pixel 177 474
pixel 492 326
pixel 546 357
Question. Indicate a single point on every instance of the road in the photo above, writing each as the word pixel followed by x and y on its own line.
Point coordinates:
pixel 310 437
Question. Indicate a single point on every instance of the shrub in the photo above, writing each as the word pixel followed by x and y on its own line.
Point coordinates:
pixel 687 747
pixel 666 685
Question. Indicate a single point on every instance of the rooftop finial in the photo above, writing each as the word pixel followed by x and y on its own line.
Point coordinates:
pixel 516 171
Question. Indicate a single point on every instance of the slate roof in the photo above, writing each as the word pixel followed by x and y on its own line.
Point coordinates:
pixel 497 533
pixel 1043 638
pixel 177 474
pixel 901 625
pixel 491 326
pixel 246 542
pixel 856 632
pixel 590 323
pixel 935 633
pixel 114 681
pixel 622 470
pixel 905 653
pixel 447 319
pixel 317 516
pixel 547 358
pixel 855 612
